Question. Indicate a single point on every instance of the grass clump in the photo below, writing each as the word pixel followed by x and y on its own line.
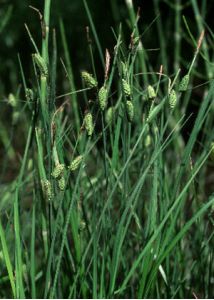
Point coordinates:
pixel 112 193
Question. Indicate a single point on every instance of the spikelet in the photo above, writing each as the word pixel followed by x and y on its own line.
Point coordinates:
pixel 151 92
pixel 89 80
pixel 148 140
pixel 130 110
pixel 82 225
pixel 172 99
pixel 29 94
pixel 41 64
pixel 109 115
pixel 46 189
pixel 155 129
pixel 124 69
pixel 88 123
pixel 61 184
pixel 184 83
pixel 30 165
pixel 12 100
pixel 58 170
pixel 126 88
pixel 102 97
pixel 75 163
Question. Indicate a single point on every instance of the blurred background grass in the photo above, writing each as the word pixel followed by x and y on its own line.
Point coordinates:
pixel 106 15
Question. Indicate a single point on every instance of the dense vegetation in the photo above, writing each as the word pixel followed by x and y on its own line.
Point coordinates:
pixel 107 149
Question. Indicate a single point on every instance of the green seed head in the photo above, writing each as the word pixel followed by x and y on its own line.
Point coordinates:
pixel 172 99
pixel 124 69
pixel 126 88
pixel 102 97
pixel 148 140
pixel 41 64
pixel 130 110
pixel 58 170
pixel 88 122
pixel 75 163
pixel 89 80
pixel 82 225
pixel 12 100
pixel 151 92
pixel 46 189
pixel 29 94
pixel 61 184
pixel 109 114
pixel 184 83
pixel 30 164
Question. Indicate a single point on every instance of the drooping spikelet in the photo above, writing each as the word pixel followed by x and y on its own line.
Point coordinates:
pixel 89 80
pixel 75 163
pixel 184 83
pixel 82 225
pixel 61 184
pixel 58 170
pixel 12 100
pixel 126 88
pixel 29 94
pixel 46 189
pixel 151 92
pixel 102 97
pixel 124 69
pixel 88 123
pixel 130 110
pixel 172 99
pixel 148 140
pixel 41 64
pixel 109 114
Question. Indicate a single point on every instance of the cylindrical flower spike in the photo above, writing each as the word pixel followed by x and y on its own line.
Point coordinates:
pixel 109 114
pixel 130 110
pixel 82 225
pixel 61 184
pixel 89 80
pixel 46 189
pixel 151 92
pixel 102 97
pixel 29 94
pixel 184 83
pixel 126 88
pixel 75 163
pixel 148 140
pixel 12 100
pixel 124 69
pixel 88 123
pixel 172 99
pixel 58 170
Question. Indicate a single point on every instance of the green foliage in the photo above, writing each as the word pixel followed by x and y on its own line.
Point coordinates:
pixel 105 194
